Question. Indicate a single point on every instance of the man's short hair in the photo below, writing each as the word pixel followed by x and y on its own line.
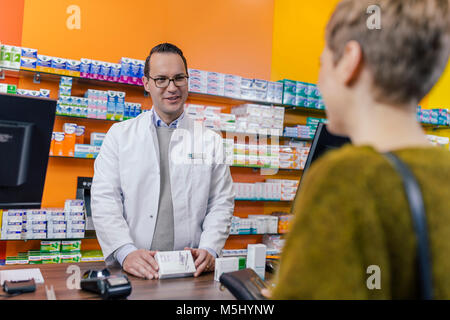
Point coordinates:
pixel 407 55
pixel 164 48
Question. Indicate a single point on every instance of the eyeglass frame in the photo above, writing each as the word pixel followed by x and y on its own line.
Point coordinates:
pixel 170 79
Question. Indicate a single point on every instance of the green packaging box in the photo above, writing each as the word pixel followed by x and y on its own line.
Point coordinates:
pixel 242 263
pixel 12 89
pixel 70 257
pixel 91 256
pixel 16 260
pixel 71 245
pixel 50 257
pixel 34 257
pixel 289 91
pixel 50 246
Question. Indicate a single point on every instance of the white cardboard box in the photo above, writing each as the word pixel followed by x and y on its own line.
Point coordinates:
pixel 223 265
pixel 175 264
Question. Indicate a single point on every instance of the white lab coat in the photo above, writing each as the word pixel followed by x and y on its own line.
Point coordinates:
pixel 126 186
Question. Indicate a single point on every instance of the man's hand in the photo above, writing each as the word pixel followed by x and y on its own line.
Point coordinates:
pixel 203 260
pixel 141 263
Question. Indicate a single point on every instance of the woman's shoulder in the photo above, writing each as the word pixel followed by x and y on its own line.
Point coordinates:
pixel 347 157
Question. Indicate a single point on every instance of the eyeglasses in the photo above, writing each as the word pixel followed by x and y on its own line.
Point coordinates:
pixel 178 81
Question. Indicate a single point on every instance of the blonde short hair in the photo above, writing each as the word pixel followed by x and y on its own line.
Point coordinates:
pixel 407 55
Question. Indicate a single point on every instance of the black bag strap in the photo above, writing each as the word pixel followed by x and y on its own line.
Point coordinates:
pixel 417 207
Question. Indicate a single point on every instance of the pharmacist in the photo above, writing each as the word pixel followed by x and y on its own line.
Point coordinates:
pixel 159 186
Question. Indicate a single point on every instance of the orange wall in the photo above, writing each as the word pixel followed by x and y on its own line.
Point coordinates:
pixel 232 36
pixel 11 17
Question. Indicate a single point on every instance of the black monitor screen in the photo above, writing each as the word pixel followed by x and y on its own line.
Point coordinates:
pixel 26 126
pixel 323 141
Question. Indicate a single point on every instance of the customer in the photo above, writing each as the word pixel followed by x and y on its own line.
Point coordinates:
pixel 352 212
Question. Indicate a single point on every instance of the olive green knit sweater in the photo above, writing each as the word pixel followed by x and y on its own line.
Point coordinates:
pixel 352 213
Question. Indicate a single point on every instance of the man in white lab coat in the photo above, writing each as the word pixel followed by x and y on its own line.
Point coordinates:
pixel 160 181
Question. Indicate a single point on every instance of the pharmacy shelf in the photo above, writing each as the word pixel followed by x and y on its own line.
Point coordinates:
pixel 88 234
pixel 41 75
pixel 84 118
pixel 234 133
pixel 66 157
pixel 238 166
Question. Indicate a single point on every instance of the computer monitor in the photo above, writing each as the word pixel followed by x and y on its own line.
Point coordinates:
pixel 26 125
pixel 323 141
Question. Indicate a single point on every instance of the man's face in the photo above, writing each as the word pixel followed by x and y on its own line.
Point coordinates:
pixel 170 100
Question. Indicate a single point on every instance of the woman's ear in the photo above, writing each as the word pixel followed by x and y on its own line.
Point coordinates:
pixel 350 64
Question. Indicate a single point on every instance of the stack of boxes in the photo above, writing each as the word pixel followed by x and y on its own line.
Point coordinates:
pixel 28 60
pixel 255 155
pixel 215 83
pixel 303 132
pixel 12 221
pixel 302 94
pixel 34 224
pixel 212 117
pixel 290 158
pixel 65 87
pixel 10 56
pixel 272 189
pixel 126 71
pixel 257 191
pixel 56 65
pixel 44 224
pixel 131 71
pixel 51 251
pixel 438 117
pixel 233 86
pixel 75 218
pixel 115 105
pixel 314 122
pixel 90 150
pixel 41 93
pixel 253 118
pixel 288 188
pixel 96 104
pixel 254 224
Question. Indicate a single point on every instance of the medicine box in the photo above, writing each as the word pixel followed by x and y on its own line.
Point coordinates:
pixel 174 264
pixel 70 245
pixel 256 258
pixel 224 265
pixel 50 246
pixel 97 138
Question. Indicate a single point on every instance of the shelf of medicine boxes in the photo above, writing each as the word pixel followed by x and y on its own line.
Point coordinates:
pixel 88 234
pixel 225 132
pixel 234 165
pixel 41 75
